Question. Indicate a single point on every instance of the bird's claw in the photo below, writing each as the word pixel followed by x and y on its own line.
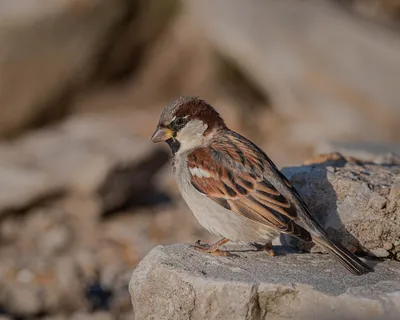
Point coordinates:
pixel 213 250
pixel 201 246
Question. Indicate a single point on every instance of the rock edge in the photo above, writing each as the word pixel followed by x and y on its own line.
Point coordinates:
pixel 177 282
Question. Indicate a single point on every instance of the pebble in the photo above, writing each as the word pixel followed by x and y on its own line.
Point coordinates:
pixel 388 246
pixel 330 169
pixel 380 252
pixel 377 202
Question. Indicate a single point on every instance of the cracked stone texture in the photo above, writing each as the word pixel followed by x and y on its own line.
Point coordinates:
pixel 177 282
pixel 357 203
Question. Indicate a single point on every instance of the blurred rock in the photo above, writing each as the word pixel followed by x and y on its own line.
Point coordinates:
pixel 92 316
pixel 57 254
pixel 39 60
pixel 39 40
pixel 178 282
pixel 42 276
pixel 289 49
pixel 383 152
pixel 356 203
pixel 88 155
pixel 381 10
pixel 83 316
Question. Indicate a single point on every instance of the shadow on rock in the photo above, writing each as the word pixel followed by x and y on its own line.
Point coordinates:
pixel 133 185
pixel 312 183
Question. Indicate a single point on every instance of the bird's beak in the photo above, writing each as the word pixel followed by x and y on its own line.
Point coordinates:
pixel 161 134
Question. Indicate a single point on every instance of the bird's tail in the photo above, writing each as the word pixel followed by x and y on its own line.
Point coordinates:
pixel 349 260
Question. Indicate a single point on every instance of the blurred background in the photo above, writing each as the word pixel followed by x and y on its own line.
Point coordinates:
pixel 84 195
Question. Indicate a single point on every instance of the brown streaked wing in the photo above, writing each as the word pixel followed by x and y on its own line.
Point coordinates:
pixel 240 186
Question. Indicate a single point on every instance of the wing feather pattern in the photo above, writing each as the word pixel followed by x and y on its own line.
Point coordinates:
pixel 231 172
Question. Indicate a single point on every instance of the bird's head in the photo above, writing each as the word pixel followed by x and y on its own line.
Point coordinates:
pixel 187 123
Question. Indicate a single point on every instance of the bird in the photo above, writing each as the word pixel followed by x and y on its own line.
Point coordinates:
pixel 233 188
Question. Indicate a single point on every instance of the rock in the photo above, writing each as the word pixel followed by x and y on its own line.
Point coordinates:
pixel 388 246
pixel 92 316
pixel 52 55
pixel 99 315
pixel 379 252
pixel 177 282
pixel 57 253
pixel 355 203
pixel 365 151
pixel 40 38
pixel 88 155
pixel 377 202
pixel 288 49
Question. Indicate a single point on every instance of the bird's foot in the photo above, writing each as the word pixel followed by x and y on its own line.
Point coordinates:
pixel 212 249
pixel 266 247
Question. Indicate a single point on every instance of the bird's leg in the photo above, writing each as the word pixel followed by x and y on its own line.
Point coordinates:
pixel 212 249
pixel 266 247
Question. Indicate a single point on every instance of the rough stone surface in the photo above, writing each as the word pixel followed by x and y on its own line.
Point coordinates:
pixel 177 282
pixel 357 203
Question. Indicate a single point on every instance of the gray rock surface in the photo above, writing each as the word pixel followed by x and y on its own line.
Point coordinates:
pixel 177 282
pixel 357 203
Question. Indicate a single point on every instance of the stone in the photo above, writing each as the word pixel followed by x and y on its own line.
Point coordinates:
pixel 377 202
pixel 57 184
pixel 352 203
pixel 288 49
pixel 379 252
pixel 177 282
pixel 92 316
pixel 96 155
pixel 362 150
pixel 388 246
pixel 52 55
pixel 98 315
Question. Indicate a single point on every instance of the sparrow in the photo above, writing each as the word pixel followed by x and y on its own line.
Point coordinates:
pixel 233 188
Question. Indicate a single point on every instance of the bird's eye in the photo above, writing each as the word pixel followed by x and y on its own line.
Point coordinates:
pixel 180 122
